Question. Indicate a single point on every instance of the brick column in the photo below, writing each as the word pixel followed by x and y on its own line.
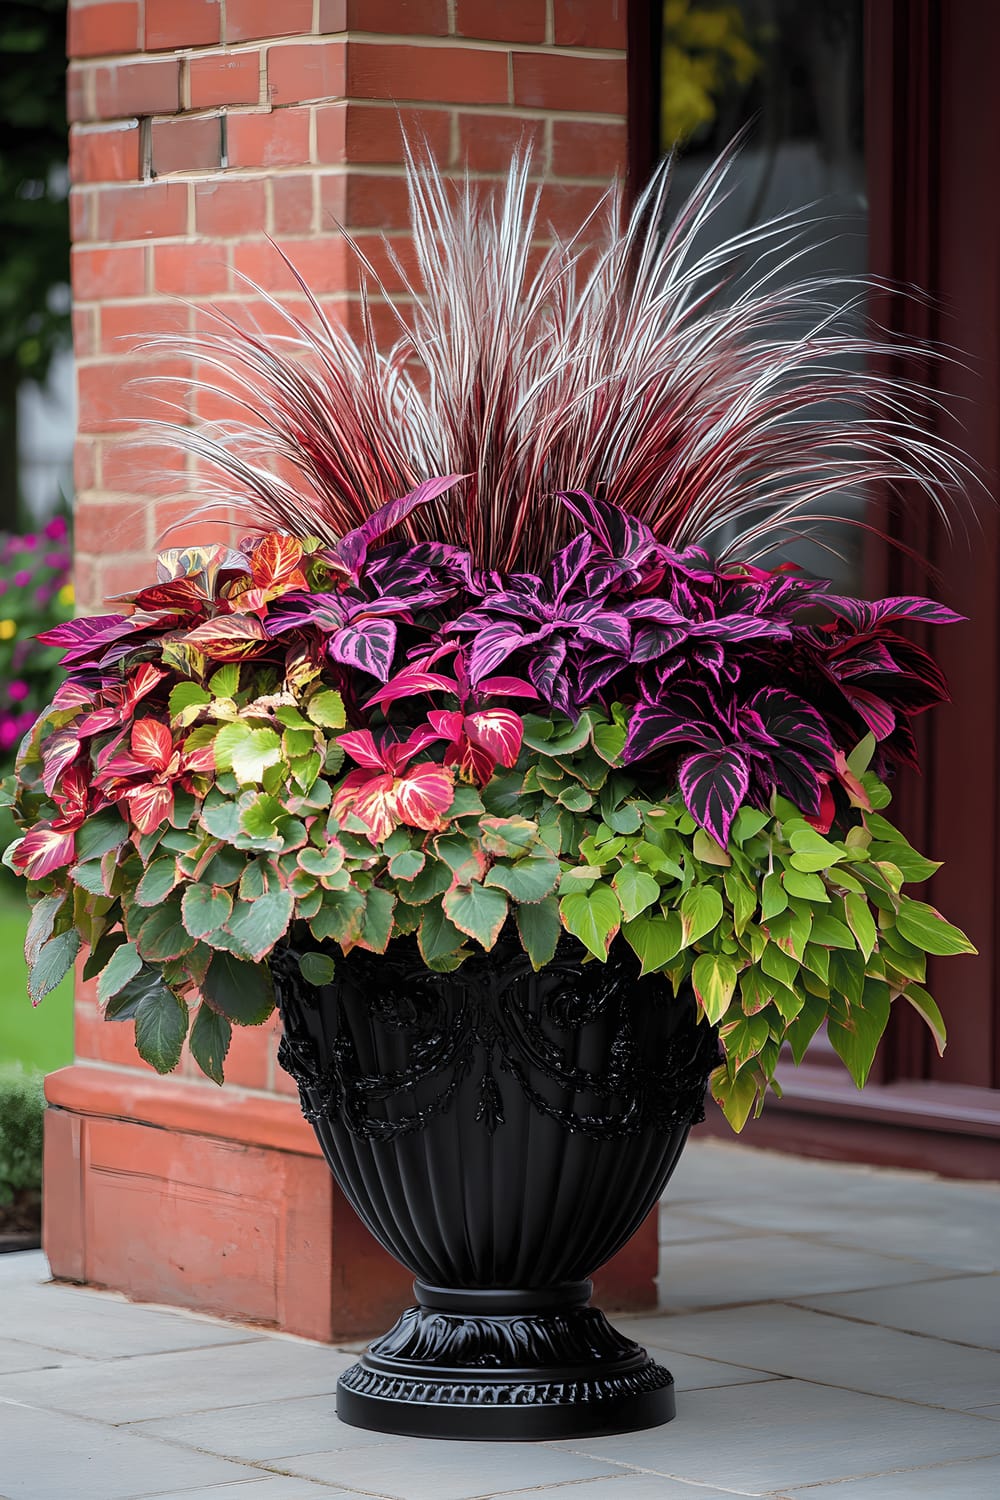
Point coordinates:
pixel 200 132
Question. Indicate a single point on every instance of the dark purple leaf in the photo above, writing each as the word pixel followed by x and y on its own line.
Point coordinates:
pixel 568 564
pixel 367 644
pixel 545 673
pixel 865 615
pixel 352 549
pixel 652 727
pixel 875 711
pixel 791 720
pixel 491 646
pixel 620 534
pixel 713 785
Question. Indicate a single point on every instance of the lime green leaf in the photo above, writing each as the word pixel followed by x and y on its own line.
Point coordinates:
pixel 742 898
pixel 747 824
pixel 609 741
pixel 327 709
pixel 123 965
pixel 779 965
pixel 700 913
pixel 317 968
pixel 161 1023
pixel 861 922
pixel 636 890
pixel 225 683
pixel 185 701
pixel 592 916
pixel 707 850
pixel 539 926
pixel 527 880
pixel 805 886
pixel 926 927
pixel 855 1040
pixel 743 1039
pixel 655 940
pixel 210 1037
pixel 254 755
pixel 714 979
pixel 476 910
pixel 925 1005
pixel 735 1096
pixel 54 961
pixel 805 1026
pixel 831 933
pixel 860 757
pixel 773 896
pixel 812 850
pixel 240 991
pixel 220 816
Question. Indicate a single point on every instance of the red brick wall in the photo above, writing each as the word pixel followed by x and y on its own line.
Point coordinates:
pixel 200 129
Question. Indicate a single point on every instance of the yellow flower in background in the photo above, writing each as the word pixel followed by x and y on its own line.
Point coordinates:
pixel 67 594
pixel 8 629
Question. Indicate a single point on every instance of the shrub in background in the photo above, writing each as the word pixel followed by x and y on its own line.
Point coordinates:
pixel 36 593
pixel 22 1108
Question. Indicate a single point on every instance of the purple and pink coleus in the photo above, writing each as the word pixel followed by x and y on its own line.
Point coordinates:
pixel 736 682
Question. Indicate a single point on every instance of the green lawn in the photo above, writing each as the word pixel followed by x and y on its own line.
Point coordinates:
pixel 36 1036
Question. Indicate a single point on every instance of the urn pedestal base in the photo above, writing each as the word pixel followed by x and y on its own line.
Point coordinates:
pixel 505 1365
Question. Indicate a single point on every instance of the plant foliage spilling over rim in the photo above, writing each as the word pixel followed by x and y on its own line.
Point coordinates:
pixel 701 389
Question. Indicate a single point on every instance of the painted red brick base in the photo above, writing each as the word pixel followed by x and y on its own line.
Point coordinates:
pixel 221 1201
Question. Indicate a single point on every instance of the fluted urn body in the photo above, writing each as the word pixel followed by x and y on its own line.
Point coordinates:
pixel 502 1133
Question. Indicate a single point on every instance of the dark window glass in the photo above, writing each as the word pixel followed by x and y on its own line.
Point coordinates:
pixel 791 72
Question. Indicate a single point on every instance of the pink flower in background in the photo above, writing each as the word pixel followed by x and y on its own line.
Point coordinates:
pixel 17 690
pixel 56 559
pixel 29 542
pixel 22 578
pixel 3 586
pixel 44 593
pixel 55 529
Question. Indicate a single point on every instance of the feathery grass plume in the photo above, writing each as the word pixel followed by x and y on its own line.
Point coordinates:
pixel 696 388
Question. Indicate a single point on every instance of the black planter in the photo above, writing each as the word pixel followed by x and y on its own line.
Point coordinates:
pixel 502 1133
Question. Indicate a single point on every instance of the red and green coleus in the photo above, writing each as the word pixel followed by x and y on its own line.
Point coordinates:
pixel 378 739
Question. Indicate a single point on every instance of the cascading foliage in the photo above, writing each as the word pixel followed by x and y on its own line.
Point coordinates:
pixel 474 668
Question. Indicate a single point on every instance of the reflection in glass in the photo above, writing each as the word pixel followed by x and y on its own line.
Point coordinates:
pixel 790 74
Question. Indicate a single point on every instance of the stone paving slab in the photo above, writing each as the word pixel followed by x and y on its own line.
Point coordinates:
pixel 770 1268
pixel 191 1380
pixel 834 1339
pixel 978 1480
pixel 833 1351
pixel 45 1455
pixel 766 1438
pixel 965 1310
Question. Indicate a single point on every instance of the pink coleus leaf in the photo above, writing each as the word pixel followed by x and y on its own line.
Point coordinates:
pixel 152 745
pixel 360 746
pixel 423 795
pixel 150 805
pixel 43 850
pixel 497 730
pixel 58 752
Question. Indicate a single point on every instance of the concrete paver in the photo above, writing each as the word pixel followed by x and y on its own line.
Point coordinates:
pixel 833 1332
pixel 965 1310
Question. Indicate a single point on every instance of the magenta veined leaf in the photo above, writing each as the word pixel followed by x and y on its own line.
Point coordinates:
pixel 713 785
pixel 352 549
